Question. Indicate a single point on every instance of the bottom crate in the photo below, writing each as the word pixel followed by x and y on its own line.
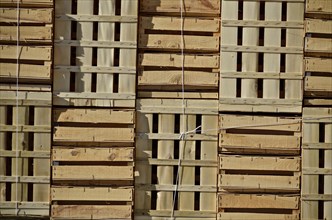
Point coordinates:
pixel 258 207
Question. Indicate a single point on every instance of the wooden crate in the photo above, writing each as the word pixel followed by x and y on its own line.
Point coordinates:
pixel 25 142
pixel 318 55
pixel 261 56
pixel 316 164
pixel 259 174
pixel 258 207
pixel 26 41
pixel 160 58
pixel 245 134
pixel 92 157
pixel 95 53
pixel 158 149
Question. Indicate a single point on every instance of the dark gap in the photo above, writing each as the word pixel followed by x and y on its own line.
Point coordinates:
pixel 321 208
pixel 258 210
pixel 155 119
pixel 153 200
pixel 8 187
pixel 284 11
pixel 30 173
pixel 259 88
pixel 283 38
pixel 198 150
pixel 118 7
pixel 259 172
pixel 176 149
pixel 262 11
pixel 72 82
pixel 31 121
pixel 261 36
pixel 154 148
pixel 239 62
pixel 197 175
pixel 154 178
pixel 258 132
pixel 197 202
pixel 93 82
pixel 282 63
pixel 239 35
pixel 260 62
pixel 175 173
pixel 238 87
pixel 321 132
pixel 177 119
pixel 282 88
pixel 176 202
pixel 240 11
pixel 9 121
pixel 199 123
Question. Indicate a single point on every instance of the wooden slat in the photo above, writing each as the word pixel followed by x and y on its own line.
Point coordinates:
pixel 26 15
pixel 256 216
pixel 3 164
pixel 79 134
pixel 317 65
pixel 322 45
pixel 318 83
pixel 318 26
pixel 92 154
pixel 28 3
pixel 25 52
pixel 96 173
pixel 26 33
pixel 318 6
pixel 26 71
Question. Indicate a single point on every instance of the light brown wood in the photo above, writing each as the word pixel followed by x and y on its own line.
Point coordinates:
pixel 26 33
pixel 3 141
pixel 318 6
pixel 256 216
pixel 317 64
pixel 26 71
pixel 25 52
pixel 27 15
pixel 318 26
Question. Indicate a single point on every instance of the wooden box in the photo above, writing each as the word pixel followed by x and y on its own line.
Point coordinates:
pixel 261 56
pixel 317 163
pixel 25 142
pixel 95 53
pixel 159 145
pixel 162 36
pixel 260 134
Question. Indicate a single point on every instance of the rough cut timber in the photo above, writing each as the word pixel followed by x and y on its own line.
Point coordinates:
pixel 261 56
pixel 161 40
pixel 92 157
pixel 158 149
pixel 95 53
pixel 260 134
pixel 318 55
pixel 316 193
pixel 32 29
pixel 25 142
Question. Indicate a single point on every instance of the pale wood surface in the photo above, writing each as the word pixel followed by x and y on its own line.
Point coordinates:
pixel 3 140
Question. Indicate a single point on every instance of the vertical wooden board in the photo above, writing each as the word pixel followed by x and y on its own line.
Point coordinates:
pixel 272 38
pixel 208 175
pixel 42 142
pixel 310 159
pixel 165 151
pixel 62 56
pixel 250 38
pixel 3 141
pixel 143 152
pixel 294 62
pixel 128 33
pixel 328 178
pixel 187 174
pixel 228 62
pixel 19 191
pixel 83 54
pixel 105 56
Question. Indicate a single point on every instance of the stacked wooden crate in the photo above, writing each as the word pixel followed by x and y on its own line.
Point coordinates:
pixel 94 114
pixel 177 93
pixel 261 73
pixel 26 34
pixel 317 115
pixel 318 53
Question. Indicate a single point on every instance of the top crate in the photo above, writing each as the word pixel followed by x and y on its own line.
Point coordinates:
pixel 26 35
pixel 261 56
pixel 95 53
pixel 175 49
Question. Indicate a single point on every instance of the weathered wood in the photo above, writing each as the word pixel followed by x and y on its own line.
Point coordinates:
pixel 27 15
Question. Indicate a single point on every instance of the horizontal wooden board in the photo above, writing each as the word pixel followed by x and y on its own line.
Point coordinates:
pixel 318 84
pixel 174 77
pixel 25 71
pixel 256 216
pixel 8 209
pixel 26 52
pixel 91 194
pixel 93 116
pixel 176 95
pixel 91 211
pixel 26 33
pixel 92 154
pixel 86 134
pixel 199 7
pixel 96 173
pixel 28 3
pixel 173 42
pixel 318 45
pixel 244 201
pixel 25 98
pixel 318 26
pixel 317 64
pixel 318 6
pixel 27 15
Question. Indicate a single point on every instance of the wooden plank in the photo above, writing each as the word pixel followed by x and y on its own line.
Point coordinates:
pixel 91 211
pixel 317 64
pixel 175 60
pixel 26 33
pixel 208 175
pixel 27 15
pixel 3 141
pixel 165 151
pixel 42 142
pixel 28 3
pixel 200 7
pixel 26 52
pixel 271 63
pixel 176 95
pixel 318 26
pixel 256 216
pixel 328 165
pixel 93 116
pixel 318 83
pixel 91 194
pixel 96 173
pixel 127 57
pixel 92 154
pixel 174 77
pixel 173 42
pixel 84 55
pixel 319 45
pixel 174 23
pixel 105 56
pixel 62 55
pixel 24 98
pixel 91 134
pixel 318 6
pixel 259 163
pixel 26 71
pixel 258 201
